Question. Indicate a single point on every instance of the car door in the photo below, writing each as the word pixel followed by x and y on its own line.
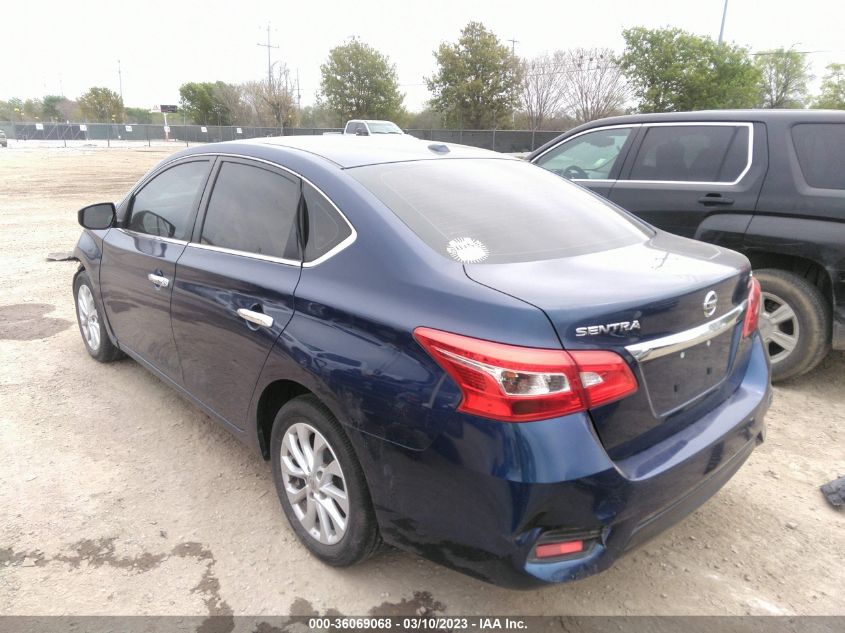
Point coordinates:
pixel 592 158
pixel 682 173
pixel 139 261
pixel 235 282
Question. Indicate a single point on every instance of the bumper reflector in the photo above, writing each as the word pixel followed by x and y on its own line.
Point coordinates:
pixel 553 550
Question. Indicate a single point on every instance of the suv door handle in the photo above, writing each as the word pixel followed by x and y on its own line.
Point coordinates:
pixel 259 318
pixel 158 280
pixel 713 199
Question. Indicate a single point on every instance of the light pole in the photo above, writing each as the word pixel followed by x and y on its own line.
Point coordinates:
pixel 722 28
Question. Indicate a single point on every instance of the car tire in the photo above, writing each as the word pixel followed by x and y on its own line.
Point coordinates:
pixel 89 318
pixel 312 501
pixel 805 324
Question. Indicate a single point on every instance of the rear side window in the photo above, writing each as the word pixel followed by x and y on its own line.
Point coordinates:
pixel 821 153
pixel 692 153
pixel 166 203
pixel 497 211
pixel 252 210
pixel 326 229
pixel 588 156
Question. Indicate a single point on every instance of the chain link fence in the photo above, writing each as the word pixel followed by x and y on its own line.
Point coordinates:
pixel 121 135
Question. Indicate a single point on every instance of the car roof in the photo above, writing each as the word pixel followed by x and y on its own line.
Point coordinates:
pixel 773 116
pixel 356 151
pixel 723 115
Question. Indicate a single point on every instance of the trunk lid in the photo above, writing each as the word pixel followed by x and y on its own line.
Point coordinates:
pixel 627 299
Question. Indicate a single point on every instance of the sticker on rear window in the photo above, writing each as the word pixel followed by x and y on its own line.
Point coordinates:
pixel 467 250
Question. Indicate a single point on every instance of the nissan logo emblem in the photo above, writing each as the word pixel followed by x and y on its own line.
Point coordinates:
pixel 709 305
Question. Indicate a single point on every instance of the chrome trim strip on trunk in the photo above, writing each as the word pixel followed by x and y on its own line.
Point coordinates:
pixel 655 348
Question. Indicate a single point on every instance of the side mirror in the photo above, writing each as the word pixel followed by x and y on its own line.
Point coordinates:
pixel 97 216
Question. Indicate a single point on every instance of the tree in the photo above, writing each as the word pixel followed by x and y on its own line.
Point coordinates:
pixel 671 70
pixel 143 115
pixel 478 81
pixel 358 82
pixel 69 110
pixel 50 107
pixel 197 100
pixel 785 74
pixel 101 104
pixel 594 86
pixel 33 108
pixel 278 95
pixel 832 95
pixel 542 87
pixel 318 115
pixel 229 98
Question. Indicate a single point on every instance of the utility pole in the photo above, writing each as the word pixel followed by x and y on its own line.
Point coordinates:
pixel 513 42
pixel 722 28
pixel 120 80
pixel 268 46
pixel 298 94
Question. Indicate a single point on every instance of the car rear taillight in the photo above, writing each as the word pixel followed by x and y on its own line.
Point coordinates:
pixel 523 384
pixel 752 314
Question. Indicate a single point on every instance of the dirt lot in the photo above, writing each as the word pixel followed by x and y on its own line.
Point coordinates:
pixel 120 497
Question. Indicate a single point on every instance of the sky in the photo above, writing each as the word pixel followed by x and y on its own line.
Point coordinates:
pixel 65 48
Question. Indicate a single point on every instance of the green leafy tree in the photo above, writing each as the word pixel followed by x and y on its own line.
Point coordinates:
pixel 50 107
pixel 670 70
pixel 785 74
pixel 197 100
pixel 33 108
pixel 832 95
pixel 101 104
pixel 143 115
pixel 478 81
pixel 207 102
pixel 358 82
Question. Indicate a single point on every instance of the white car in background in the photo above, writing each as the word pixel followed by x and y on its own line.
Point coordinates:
pixel 369 127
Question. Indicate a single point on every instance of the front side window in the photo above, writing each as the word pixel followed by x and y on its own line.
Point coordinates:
pixel 326 228
pixel 821 153
pixel 588 156
pixel 692 153
pixel 252 210
pixel 495 211
pixel 165 205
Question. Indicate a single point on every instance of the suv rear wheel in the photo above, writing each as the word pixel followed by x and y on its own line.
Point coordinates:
pixel 794 322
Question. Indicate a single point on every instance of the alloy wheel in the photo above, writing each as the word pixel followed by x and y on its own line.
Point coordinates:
pixel 314 483
pixel 778 327
pixel 89 319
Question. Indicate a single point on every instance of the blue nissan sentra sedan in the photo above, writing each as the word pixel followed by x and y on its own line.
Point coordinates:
pixel 439 347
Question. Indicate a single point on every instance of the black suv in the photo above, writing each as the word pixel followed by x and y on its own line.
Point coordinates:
pixel 767 183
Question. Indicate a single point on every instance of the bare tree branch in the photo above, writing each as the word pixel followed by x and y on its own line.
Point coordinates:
pixel 542 87
pixel 594 85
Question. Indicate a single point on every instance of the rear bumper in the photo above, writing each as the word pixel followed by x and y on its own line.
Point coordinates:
pixel 482 495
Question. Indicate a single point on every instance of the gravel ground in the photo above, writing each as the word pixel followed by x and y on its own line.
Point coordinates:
pixel 120 497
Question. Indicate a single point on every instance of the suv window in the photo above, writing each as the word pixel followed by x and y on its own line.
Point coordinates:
pixel 326 229
pixel 588 156
pixel 821 153
pixel 165 204
pixel 252 210
pixel 692 153
pixel 497 211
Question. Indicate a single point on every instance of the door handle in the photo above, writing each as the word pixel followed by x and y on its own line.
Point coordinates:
pixel 259 318
pixel 158 280
pixel 714 199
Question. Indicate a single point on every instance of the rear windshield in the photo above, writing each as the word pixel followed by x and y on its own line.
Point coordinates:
pixel 497 211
